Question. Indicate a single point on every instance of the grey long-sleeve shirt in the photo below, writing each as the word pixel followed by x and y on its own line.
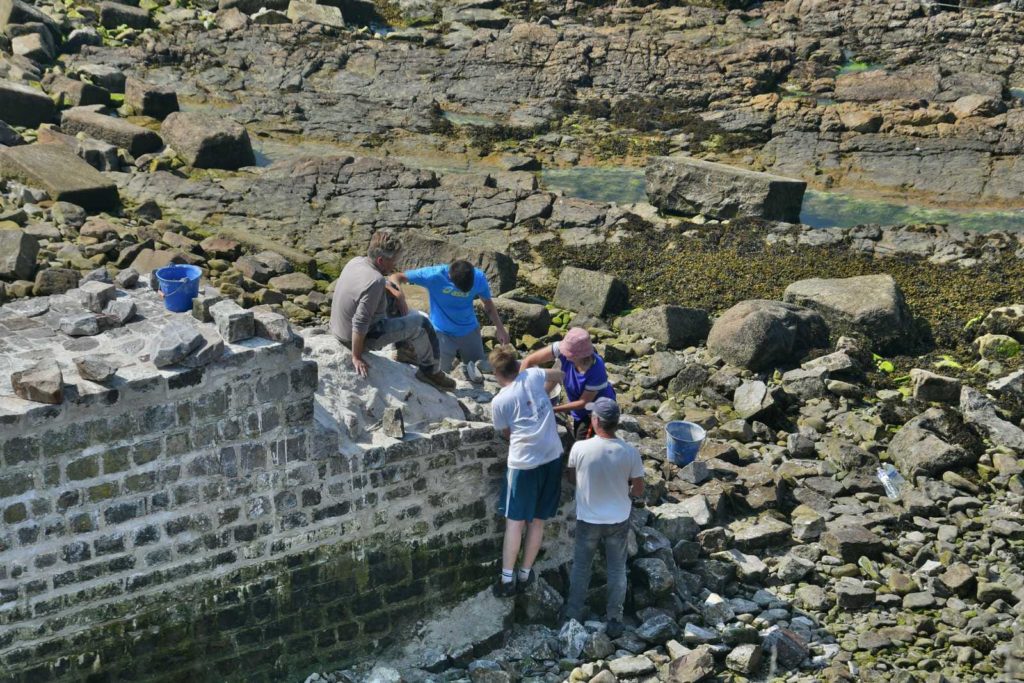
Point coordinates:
pixel 359 299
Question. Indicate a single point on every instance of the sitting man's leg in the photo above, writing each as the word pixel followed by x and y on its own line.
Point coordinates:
pixel 416 330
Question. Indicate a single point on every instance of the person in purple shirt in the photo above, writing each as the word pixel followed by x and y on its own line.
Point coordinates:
pixel 586 378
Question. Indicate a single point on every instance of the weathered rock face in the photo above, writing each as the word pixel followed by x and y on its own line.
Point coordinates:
pixel 590 292
pixel 17 254
pixel 869 306
pixel 674 326
pixel 906 84
pixel 21 105
pixel 689 186
pixel 353 404
pixel 931 443
pixel 758 333
pixel 422 249
pixel 149 100
pixel 63 175
pixel 136 139
pixel 207 141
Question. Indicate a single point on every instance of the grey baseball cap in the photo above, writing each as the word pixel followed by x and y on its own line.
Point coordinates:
pixel 605 408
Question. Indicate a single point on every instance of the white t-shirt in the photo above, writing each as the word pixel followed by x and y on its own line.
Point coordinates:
pixel 603 470
pixel 524 408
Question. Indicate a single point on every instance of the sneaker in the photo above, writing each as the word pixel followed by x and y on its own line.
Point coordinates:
pixel 524 584
pixel 614 629
pixel 473 373
pixel 502 589
pixel 437 379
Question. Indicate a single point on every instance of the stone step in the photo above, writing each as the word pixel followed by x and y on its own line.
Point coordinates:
pixel 136 139
pixel 21 105
pixel 63 175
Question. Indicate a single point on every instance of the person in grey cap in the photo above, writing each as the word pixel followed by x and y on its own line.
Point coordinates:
pixel 608 471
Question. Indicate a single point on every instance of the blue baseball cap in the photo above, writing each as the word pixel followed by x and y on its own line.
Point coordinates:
pixel 606 409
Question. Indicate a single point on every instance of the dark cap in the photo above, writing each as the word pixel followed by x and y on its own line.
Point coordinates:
pixel 606 409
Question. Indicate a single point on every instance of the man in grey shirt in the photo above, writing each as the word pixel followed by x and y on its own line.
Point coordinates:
pixel 359 312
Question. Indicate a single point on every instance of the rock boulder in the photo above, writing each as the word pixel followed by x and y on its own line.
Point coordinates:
pixel 18 252
pixel 758 333
pixel 684 185
pixel 21 105
pixel 871 306
pixel 590 292
pixel 208 141
pixel 931 443
pixel 674 326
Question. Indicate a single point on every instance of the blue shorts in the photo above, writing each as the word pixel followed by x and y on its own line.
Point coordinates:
pixel 532 494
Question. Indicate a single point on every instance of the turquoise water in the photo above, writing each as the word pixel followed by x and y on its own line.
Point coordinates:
pixel 828 209
pixel 820 209
pixel 619 185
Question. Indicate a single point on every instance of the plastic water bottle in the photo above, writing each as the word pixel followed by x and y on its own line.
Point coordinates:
pixel 891 480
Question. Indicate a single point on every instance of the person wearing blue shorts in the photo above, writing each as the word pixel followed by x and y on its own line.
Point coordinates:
pixel 523 414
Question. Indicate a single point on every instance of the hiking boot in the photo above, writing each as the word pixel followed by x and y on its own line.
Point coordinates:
pixel 437 379
pixel 523 584
pixel 404 354
pixel 503 589
pixel 614 629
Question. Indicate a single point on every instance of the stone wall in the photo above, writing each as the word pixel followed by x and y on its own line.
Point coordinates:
pixel 201 525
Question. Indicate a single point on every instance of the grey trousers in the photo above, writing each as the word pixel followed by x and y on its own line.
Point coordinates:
pixel 469 347
pixel 588 537
pixel 416 330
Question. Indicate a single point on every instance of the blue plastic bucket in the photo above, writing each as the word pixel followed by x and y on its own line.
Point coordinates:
pixel 684 441
pixel 178 286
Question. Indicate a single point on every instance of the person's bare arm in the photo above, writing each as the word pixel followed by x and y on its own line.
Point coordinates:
pixel 499 329
pixel 636 487
pixel 538 357
pixel 553 376
pixel 585 398
pixel 398 278
pixel 358 345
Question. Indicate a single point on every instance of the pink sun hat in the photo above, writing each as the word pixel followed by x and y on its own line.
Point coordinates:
pixel 576 344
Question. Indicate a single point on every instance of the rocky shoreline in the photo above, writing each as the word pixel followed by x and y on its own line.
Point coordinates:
pixel 812 356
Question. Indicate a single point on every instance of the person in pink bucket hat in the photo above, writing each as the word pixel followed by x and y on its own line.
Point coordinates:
pixel 586 378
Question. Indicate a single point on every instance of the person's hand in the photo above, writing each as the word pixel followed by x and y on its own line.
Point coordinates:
pixel 360 365
pixel 502 334
pixel 393 286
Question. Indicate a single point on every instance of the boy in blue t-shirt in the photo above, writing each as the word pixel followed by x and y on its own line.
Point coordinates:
pixel 452 289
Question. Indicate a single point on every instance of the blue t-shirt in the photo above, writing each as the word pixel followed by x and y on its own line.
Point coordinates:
pixel 594 379
pixel 451 309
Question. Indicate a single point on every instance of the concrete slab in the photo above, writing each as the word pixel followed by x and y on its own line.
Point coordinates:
pixel 63 175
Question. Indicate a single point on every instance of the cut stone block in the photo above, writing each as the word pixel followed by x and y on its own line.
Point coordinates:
pixel 20 12
pixel 136 139
pixel 173 343
pixel 674 326
pixel 21 105
pixel 114 14
pixel 18 251
pixel 272 326
pixel 35 46
pixel 73 93
pixel 60 172
pixel 684 185
pixel 233 322
pixel 95 296
pixel 42 383
pixel 150 100
pixel 590 292
pixel 96 368
pixel 210 348
pixel 208 141
pixel 82 325
pixel 55 281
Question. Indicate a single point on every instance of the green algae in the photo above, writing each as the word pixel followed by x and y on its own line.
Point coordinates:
pixel 722 265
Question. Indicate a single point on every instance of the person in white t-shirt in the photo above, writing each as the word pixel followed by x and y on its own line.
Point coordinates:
pixel 523 414
pixel 608 471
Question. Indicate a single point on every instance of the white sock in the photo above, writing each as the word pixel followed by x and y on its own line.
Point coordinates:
pixel 507 575
pixel 524 573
